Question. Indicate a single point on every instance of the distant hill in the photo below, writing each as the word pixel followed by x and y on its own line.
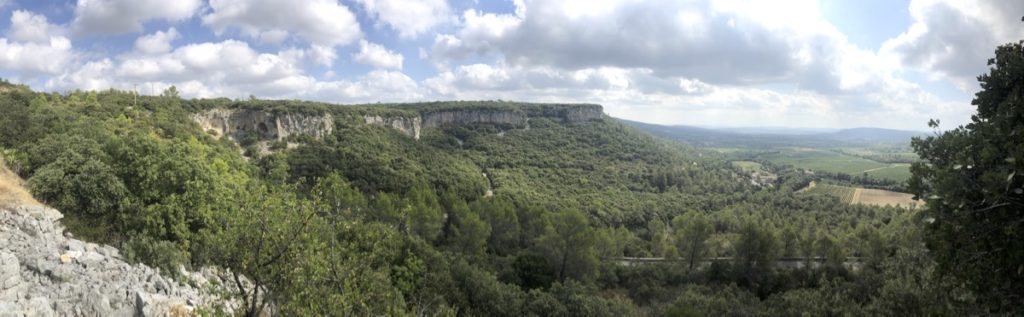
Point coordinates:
pixel 775 137
pixel 872 134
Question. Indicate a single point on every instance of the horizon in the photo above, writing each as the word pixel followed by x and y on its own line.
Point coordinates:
pixel 794 64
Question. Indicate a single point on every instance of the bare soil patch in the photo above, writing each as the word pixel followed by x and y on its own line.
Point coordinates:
pixel 880 197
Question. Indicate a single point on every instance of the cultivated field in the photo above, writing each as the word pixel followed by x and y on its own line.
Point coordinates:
pixel 845 194
pixel 857 195
pixel 829 161
pixel 748 166
pixel 880 197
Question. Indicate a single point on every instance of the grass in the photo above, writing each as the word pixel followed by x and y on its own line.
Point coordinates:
pixel 834 162
pixel 748 166
pixel 12 192
pixel 894 172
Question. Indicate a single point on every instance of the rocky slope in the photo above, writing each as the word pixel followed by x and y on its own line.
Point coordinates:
pixel 43 272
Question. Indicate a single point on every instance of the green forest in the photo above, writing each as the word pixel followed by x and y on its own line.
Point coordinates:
pixel 491 220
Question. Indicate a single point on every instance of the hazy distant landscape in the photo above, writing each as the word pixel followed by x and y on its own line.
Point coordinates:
pixel 458 158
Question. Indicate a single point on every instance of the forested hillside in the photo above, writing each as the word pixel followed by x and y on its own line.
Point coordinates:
pixel 482 218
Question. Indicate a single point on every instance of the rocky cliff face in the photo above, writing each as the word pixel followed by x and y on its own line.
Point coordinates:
pixel 581 113
pixel 470 116
pixel 45 273
pixel 408 126
pixel 234 123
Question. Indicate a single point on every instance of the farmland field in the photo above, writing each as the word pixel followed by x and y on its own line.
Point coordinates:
pixel 880 197
pixel 829 161
pixel 856 195
pixel 748 166
pixel 845 194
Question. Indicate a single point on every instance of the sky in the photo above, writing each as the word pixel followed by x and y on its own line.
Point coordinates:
pixel 729 63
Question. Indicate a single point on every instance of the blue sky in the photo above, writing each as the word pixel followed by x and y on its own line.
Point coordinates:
pixel 799 63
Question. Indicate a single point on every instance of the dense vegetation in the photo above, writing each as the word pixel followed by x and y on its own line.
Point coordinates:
pixel 367 221
pixel 974 190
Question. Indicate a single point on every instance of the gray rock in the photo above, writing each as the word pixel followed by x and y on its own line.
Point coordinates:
pixel 89 258
pixel 9 266
pixel 97 304
pixel 44 272
pixel 76 245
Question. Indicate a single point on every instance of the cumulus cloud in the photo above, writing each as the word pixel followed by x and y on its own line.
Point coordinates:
pixel 954 39
pixel 377 56
pixel 231 68
pixel 376 86
pixel 322 22
pixel 721 42
pixel 127 16
pixel 30 27
pixel 34 46
pixel 409 17
pixel 30 58
pixel 158 42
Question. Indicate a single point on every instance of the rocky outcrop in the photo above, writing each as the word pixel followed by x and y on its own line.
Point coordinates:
pixel 581 113
pixel 407 125
pixel 265 125
pixel 45 273
pixel 510 118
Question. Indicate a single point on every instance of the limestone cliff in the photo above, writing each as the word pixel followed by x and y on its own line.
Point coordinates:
pixel 511 118
pixel 236 123
pixel 266 125
pixel 406 125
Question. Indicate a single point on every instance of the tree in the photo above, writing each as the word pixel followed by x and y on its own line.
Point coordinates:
pixel 972 179
pixel 171 92
pixel 264 239
pixel 568 246
pixel 501 215
pixel 756 252
pixel 424 216
pixel 692 230
pixel 468 232
pixel 662 244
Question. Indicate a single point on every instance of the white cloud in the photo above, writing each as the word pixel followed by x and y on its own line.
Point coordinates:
pixel 231 69
pixel 409 17
pixel 376 86
pixel 127 16
pixel 323 55
pixel 322 22
pixel 159 42
pixel 730 42
pixel 30 27
pixel 954 39
pixel 377 56
pixel 31 59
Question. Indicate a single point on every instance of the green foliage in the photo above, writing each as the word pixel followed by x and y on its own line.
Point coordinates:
pixel 568 245
pixel 692 232
pixel 974 190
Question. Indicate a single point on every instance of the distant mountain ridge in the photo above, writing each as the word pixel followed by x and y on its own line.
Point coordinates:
pixel 773 137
